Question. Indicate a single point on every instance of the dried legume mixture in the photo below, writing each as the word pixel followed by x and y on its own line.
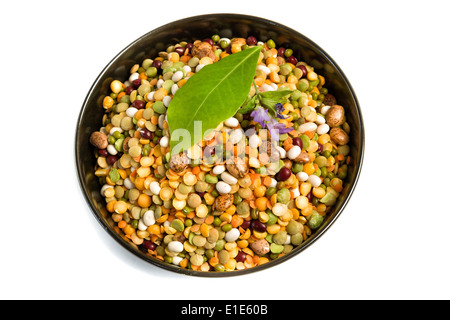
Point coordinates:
pixel 196 210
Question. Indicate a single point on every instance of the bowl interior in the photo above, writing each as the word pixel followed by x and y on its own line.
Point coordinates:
pixel 201 27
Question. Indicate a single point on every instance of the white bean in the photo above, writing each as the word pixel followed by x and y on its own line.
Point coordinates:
pixel 282 152
pixel 294 152
pixel 231 122
pixel 187 69
pixel 199 67
pixel 218 169
pixel 131 111
pixel 302 176
pixel 159 83
pixel 164 142
pixel 174 88
pixel 295 192
pixel 114 129
pixel 133 76
pixel 141 225
pixel 320 119
pixel 155 188
pixel 176 260
pixel 232 235
pixel 266 87
pixel 177 76
pixel 128 184
pixel 149 218
pixel 324 109
pixel 150 95
pixel 273 183
pixel 223 187
pixel 111 149
pixel 161 119
pixel 228 178
pixel 166 100
pixel 314 180
pixel 308 126
pixel 323 128
pixel 263 68
pixel 236 136
pixel 103 189
pixel 175 246
pixel 254 141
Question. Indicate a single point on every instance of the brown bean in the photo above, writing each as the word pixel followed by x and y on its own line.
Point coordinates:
pixel 125 146
pixel 267 147
pixel 339 136
pixel 335 116
pixel 224 201
pixel 237 167
pixel 260 247
pixel 329 100
pixel 203 49
pixel 303 157
pixel 179 162
pixel 99 139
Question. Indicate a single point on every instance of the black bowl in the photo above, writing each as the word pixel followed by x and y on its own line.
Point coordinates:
pixel 201 27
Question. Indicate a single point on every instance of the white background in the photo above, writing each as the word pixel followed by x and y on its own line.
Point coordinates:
pixel 392 240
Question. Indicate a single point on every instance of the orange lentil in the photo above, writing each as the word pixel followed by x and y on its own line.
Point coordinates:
pixel 154 229
pixel 110 205
pixel 213 261
pixel 144 200
pixel 310 134
pixel 236 221
pixel 261 203
pixel 120 95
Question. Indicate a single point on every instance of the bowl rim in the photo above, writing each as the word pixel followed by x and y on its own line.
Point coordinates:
pixel 189 272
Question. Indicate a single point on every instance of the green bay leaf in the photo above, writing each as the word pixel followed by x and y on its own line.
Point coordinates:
pixel 210 96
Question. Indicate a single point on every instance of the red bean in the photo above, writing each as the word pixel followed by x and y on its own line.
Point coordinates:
pixel 241 256
pixel 209 41
pixel 138 104
pixel 180 50
pixel 111 159
pixel 281 51
pixel 246 224
pixel 251 41
pixel 136 83
pixel 149 245
pixel 258 226
pixel 146 134
pixel 209 151
pixel 292 60
pixel 303 68
pixel 320 148
pixel 157 64
pixel 129 90
pixel 284 174
pixel 103 153
pixel 297 142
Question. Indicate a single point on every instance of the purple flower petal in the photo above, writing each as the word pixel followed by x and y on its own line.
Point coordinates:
pixel 276 129
pixel 260 115
pixel 279 109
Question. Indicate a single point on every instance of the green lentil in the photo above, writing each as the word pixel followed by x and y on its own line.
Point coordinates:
pixel 276 248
